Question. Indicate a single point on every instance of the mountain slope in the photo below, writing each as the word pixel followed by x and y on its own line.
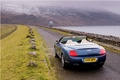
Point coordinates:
pixel 36 15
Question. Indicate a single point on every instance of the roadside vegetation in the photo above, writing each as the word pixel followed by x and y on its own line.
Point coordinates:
pixel 18 64
pixel 100 43
pixel 6 29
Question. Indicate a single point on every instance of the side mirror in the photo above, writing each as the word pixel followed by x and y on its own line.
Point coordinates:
pixel 57 41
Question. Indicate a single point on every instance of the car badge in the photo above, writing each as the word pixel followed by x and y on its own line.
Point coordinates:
pixel 89 50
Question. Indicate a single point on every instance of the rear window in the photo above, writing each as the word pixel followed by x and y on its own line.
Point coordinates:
pixel 74 39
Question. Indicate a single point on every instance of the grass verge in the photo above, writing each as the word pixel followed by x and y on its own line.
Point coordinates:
pixel 15 57
pixel 6 29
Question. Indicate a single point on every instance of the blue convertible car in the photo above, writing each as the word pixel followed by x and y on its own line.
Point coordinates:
pixel 76 50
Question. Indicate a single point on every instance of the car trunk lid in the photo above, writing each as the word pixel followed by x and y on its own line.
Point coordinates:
pixel 88 52
pixel 86 49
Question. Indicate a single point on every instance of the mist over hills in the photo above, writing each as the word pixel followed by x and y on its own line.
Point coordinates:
pixel 61 16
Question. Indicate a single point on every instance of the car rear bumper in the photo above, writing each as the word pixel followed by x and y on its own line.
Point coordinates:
pixel 80 60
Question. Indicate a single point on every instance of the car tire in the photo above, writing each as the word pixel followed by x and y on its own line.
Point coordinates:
pixel 63 63
pixel 56 54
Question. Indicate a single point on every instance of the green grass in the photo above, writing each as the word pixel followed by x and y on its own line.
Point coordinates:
pixel 6 29
pixel 15 57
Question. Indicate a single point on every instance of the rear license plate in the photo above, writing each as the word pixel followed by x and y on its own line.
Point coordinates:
pixel 88 60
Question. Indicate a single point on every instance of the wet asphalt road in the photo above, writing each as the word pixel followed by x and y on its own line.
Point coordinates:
pixel 110 70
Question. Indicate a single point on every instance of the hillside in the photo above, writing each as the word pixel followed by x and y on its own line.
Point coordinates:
pixel 36 15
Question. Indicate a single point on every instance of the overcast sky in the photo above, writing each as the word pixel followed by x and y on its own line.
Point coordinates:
pixel 111 5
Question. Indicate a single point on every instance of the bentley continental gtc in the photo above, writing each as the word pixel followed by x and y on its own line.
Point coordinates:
pixel 77 50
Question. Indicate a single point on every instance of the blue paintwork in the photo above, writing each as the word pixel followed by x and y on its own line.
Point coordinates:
pixel 83 51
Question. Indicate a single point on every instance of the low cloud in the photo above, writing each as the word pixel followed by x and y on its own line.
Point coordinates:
pixel 98 4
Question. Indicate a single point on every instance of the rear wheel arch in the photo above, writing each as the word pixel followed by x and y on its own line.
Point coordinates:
pixel 62 54
pixel 56 55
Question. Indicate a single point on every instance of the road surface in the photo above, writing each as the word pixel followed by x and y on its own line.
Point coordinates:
pixel 110 70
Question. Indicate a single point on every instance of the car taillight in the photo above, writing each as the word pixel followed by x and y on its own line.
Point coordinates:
pixel 102 51
pixel 73 53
